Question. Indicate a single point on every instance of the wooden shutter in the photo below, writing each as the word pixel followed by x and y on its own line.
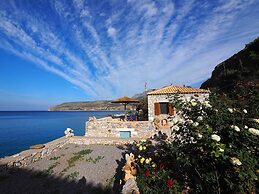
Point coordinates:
pixel 171 109
pixel 157 108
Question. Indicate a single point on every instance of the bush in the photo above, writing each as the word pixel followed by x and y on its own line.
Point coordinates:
pixel 153 175
pixel 213 149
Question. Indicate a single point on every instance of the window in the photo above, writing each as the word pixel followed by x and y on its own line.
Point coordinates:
pixel 164 108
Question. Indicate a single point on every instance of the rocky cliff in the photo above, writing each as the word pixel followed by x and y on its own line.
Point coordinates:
pixel 243 67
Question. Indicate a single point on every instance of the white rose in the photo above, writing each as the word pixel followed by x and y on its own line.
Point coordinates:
pixel 236 128
pixel 230 110
pixel 190 121
pixel 235 161
pixel 193 103
pixel 195 124
pixel 175 120
pixel 199 135
pixel 256 120
pixel 245 111
pixel 253 131
pixel 175 128
pixel 215 137
pixel 200 118
pixel 207 104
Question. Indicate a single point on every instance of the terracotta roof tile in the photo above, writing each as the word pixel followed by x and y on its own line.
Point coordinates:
pixel 177 89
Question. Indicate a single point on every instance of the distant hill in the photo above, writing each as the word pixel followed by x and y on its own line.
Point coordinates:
pixel 243 67
pixel 95 105
pixel 141 95
pixel 89 105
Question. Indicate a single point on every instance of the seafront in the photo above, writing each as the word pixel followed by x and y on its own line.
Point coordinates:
pixel 66 165
pixel 72 164
pixel 22 129
pixel 29 156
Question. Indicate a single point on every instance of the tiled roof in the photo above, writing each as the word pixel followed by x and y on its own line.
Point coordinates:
pixel 177 89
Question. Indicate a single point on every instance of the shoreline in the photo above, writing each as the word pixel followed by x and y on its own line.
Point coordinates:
pixel 29 156
pixel 41 126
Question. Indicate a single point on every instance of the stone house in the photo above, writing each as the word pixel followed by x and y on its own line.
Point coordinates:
pixel 159 108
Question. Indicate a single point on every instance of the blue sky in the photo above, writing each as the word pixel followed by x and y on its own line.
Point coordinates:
pixel 54 51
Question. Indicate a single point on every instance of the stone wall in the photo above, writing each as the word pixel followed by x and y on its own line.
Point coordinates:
pixel 152 99
pixel 27 157
pixel 79 140
pixel 108 127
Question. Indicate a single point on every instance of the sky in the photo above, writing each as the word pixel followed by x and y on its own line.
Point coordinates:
pixel 54 51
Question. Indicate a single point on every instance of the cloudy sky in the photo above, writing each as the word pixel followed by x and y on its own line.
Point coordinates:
pixel 54 51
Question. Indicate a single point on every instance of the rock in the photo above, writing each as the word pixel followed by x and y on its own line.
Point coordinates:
pixel 36 157
pixel 38 146
pixel 130 187
pixel 92 119
pixel 69 132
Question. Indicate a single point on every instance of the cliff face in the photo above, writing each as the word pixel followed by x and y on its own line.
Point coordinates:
pixel 242 67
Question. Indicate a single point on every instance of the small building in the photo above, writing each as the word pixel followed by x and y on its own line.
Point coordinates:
pixel 159 107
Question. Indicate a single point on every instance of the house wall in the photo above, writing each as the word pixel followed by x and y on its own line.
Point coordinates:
pixel 108 127
pixel 152 99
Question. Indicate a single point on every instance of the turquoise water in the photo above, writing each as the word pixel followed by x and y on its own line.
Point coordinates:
pixel 21 129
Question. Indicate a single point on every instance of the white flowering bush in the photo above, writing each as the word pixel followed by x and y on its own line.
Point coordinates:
pixel 214 146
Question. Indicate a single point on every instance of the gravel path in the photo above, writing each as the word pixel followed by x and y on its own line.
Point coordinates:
pixel 72 169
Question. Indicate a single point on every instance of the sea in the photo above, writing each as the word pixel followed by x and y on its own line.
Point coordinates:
pixel 21 129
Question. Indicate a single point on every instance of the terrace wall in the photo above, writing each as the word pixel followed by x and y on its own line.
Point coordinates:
pixel 108 127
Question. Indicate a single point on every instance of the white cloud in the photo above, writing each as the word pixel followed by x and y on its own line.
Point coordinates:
pixel 155 41
pixel 111 31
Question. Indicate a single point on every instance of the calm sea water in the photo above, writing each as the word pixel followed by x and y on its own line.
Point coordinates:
pixel 21 129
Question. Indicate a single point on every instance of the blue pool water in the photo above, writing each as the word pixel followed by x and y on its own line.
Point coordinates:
pixel 21 129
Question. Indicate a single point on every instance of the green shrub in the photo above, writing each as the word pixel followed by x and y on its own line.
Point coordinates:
pixel 214 145
pixel 213 149
pixel 78 156
pixel 73 174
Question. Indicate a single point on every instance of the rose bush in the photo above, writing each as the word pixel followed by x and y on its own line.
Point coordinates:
pixel 153 175
pixel 213 149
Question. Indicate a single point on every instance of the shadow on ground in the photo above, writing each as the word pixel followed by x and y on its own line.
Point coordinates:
pixel 22 181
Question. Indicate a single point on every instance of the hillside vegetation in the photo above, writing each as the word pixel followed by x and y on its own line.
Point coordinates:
pixel 237 79
pixel 243 67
